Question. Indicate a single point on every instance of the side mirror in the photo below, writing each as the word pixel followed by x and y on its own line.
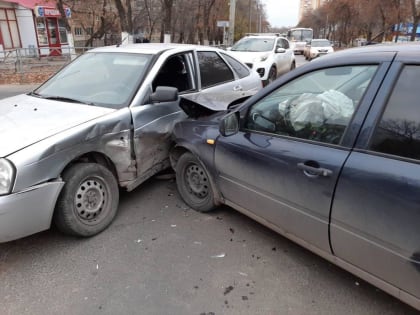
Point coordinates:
pixel 280 50
pixel 164 94
pixel 229 125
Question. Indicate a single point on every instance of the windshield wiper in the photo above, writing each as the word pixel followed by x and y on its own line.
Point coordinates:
pixel 66 99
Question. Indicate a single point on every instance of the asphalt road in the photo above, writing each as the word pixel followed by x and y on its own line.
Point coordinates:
pixel 160 257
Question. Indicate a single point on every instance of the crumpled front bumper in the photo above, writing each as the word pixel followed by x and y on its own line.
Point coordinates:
pixel 29 211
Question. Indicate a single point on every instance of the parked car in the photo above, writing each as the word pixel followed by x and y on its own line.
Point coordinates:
pixel 316 48
pixel 269 55
pixel 328 156
pixel 102 123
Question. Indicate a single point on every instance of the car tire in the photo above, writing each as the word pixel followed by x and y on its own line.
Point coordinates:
pixel 89 200
pixel 193 183
pixel 272 75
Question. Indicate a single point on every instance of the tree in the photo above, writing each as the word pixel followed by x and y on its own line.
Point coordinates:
pixel 415 15
pixel 167 18
pixel 125 15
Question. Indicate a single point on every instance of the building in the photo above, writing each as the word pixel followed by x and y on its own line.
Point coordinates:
pixel 34 27
pixel 307 6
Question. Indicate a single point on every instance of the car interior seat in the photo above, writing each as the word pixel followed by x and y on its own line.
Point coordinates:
pixel 172 74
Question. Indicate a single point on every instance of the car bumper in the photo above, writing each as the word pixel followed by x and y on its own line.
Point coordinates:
pixel 28 212
pixel 318 54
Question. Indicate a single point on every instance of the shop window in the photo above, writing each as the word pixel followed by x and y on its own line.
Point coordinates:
pixel 41 31
pixel 9 29
pixel 62 31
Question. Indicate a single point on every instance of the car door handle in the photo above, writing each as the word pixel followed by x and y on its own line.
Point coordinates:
pixel 313 171
pixel 237 88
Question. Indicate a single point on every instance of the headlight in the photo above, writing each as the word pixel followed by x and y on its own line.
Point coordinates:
pixel 7 173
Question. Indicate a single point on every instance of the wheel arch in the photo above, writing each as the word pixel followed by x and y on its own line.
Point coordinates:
pixel 94 157
pixel 178 150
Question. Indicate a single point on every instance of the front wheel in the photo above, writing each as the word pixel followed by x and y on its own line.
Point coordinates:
pixel 272 75
pixel 193 183
pixel 89 200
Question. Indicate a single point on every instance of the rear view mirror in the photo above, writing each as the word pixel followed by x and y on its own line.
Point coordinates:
pixel 280 50
pixel 229 125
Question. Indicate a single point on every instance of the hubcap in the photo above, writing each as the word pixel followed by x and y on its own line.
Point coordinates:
pixel 197 181
pixel 90 199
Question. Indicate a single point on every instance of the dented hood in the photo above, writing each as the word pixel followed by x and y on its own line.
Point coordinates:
pixel 200 105
pixel 25 120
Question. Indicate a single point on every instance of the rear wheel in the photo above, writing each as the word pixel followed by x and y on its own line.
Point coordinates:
pixel 89 200
pixel 193 183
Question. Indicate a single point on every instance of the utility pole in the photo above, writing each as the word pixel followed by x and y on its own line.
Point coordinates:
pixel 232 22
pixel 249 11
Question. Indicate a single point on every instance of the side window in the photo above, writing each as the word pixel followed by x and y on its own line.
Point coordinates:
pixel 213 70
pixel 175 72
pixel 398 131
pixel 282 43
pixel 241 70
pixel 316 106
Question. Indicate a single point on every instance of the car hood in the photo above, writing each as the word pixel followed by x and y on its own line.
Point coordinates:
pixel 249 56
pixel 25 120
pixel 202 106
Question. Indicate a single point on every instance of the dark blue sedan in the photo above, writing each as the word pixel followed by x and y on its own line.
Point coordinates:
pixel 328 155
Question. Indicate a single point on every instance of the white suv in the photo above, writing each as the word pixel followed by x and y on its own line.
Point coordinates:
pixel 268 54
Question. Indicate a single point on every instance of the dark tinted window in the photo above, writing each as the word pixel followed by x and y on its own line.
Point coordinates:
pixel 213 69
pixel 283 43
pixel 398 132
pixel 241 70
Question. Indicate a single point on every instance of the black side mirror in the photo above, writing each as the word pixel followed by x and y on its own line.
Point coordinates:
pixel 164 94
pixel 229 125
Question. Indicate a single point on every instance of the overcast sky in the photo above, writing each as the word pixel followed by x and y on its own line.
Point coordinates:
pixel 282 12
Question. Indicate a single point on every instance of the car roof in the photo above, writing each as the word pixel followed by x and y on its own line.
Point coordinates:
pixel 151 48
pixel 263 35
pixel 369 52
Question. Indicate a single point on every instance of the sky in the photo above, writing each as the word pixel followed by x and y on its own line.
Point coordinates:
pixel 282 12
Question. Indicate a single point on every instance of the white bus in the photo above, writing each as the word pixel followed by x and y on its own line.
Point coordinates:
pixel 299 37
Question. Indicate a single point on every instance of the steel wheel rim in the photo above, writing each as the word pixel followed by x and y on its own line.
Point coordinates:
pixel 91 200
pixel 197 181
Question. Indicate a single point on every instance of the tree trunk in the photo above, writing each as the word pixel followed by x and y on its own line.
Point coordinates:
pixel 123 16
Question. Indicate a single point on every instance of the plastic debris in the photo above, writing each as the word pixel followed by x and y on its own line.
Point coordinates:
pixel 243 274
pixel 173 225
pixel 219 256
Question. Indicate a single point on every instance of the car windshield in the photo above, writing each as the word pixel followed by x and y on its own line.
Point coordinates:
pixel 100 79
pixel 254 44
pixel 320 43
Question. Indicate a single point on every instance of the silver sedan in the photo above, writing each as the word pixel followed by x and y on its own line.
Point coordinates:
pixel 102 123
